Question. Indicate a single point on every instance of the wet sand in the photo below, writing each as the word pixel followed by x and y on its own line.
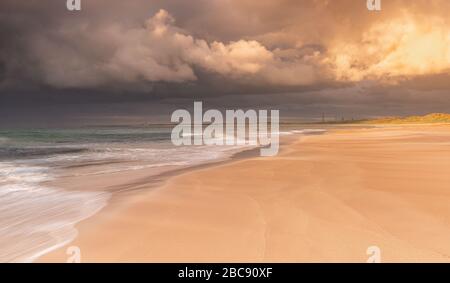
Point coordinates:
pixel 324 198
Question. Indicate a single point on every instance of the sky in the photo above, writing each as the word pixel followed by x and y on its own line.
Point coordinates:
pixel 138 60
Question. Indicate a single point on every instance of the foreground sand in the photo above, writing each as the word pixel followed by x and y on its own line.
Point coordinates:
pixel 322 199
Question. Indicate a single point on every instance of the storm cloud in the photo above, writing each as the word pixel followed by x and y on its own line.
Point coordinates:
pixel 322 52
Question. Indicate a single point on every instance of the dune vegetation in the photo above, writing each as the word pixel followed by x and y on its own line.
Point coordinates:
pixel 426 119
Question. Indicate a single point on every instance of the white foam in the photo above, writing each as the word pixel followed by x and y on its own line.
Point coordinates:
pixel 35 219
pixel 309 131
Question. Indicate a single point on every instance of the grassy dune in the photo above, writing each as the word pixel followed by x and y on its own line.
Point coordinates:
pixel 427 119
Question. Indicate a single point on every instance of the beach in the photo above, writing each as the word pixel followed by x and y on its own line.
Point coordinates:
pixel 323 198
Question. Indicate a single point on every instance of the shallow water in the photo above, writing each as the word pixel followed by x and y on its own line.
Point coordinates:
pixel 36 218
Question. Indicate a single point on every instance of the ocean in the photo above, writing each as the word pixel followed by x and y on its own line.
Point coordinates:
pixel 36 218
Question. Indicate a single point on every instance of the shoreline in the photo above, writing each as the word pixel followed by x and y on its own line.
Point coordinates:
pixel 324 198
pixel 141 182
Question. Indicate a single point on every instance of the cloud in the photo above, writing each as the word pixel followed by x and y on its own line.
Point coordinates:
pixel 157 51
pixel 394 49
pixel 271 44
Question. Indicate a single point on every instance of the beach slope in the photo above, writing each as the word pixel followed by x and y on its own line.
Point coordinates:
pixel 324 198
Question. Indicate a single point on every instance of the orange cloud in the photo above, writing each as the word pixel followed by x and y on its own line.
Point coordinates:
pixel 281 43
pixel 403 46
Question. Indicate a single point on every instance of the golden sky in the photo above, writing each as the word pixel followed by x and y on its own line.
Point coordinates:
pixel 283 42
pixel 313 56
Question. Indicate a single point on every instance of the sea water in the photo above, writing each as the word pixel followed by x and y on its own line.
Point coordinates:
pixel 36 218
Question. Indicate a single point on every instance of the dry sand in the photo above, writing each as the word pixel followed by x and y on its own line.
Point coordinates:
pixel 324 198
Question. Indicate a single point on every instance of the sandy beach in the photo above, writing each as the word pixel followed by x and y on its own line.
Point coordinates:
pixel 324 198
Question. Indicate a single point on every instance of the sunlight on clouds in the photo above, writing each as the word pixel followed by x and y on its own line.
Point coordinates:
pixel 390 49
pixel 394 48
pixel 161 51
pixel 263 44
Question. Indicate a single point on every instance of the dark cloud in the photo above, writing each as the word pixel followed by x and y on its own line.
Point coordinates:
pixel 298 54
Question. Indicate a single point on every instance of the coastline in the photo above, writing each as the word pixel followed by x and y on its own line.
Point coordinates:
pixel 122 186
pixel 322 199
